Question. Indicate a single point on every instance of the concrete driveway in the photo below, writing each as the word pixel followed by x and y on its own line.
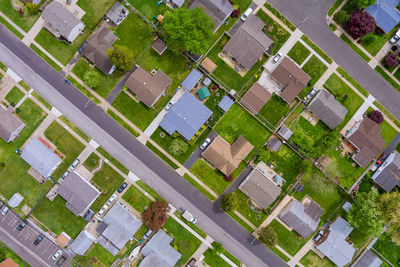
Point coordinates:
pixel 197 153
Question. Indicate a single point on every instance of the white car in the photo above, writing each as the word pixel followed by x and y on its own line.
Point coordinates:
pixel 246 14
pixel 394 39
pixel 189 217
pixel 5 210
pixel 57 254
pixel 205 143
pixel 277 57
pixel 111 199
pixel 102 210
pixel 74 164
pixel 169 105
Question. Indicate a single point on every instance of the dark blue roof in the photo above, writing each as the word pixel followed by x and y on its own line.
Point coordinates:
pixel 186 116
pixel 191 80
pixel 225 103
pixel 385 14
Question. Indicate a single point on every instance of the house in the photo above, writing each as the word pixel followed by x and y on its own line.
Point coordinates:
pixel 117 13
pixel 248 43
pixel 82 242
pixel 159 252
pixel 78 192
pixel 95 49
pixel 385 13
pixel 366 138
pixel 285 132
pixel 117 227
pixel 10 125
pixel 304 219
pixel 191 80
pixel 218 10
pixel 291 78
pixel 176 3
pixel 186 117
pixel 388 174
pixel 335 246
pixel 260 189
pixel 368 259
pixel 255 98
pixel 274 144
pixel 159 46
pixel 327 109
pixel 40 158
pixel 208 65
pixel 61 23
pixel 148 88
pixel 225 103
pixel 226 157
pixel 8 262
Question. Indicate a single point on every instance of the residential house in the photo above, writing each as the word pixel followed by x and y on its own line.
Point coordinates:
pixel 61 23
pixel 148 88
pixel 255 98
pixel 10 125
pixel 218 10
pixel 387 175
pixel 368 259
pixel 8 262
pixel 36 2
pixel 117 13
pixel 225 103
pixel 303 218
pixel 191 80
pixel 327 109
pixel 385 13
pixel 176 3
pixel 285 133
pixel 159 252
pixel 186 117
pixel 366 138
pixel 248 43
pixel 117 227
pixel 335 246
pixel 159 46
pixel 40 158
pixel 82 242
pixel 226 157
pixel 260 188
pixel 274 144
pixel 95 49
pixel 78 192
pixel 291 78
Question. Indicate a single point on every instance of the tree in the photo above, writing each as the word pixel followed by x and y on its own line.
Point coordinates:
pixel 80 261
pixel 187 30
pixel 32 8
pixel 389 207
pixel 306 165
pixel 235 13
pixel 91 78
pixel 264 156
pixel 364 3
pixel 359 24
pixel 369 38
pixel 178 146
pixel 341 17
pixel 229 202
pixel 391 60
pixel 122 57
pixel 364 214
pixel 268 236
pixel 156 215
pixel 376 116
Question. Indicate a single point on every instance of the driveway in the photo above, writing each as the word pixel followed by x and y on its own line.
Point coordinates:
pixel 197 153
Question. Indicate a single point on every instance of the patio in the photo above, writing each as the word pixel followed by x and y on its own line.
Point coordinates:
pixel 232 63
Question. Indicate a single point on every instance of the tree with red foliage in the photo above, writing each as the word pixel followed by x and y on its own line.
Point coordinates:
pixel 376 116
pixel 228 178
pixel 235 13
pixel 391 60
pixel 156 215
pixel 359 24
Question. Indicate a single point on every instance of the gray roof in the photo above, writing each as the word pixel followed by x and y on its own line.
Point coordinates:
pixel 385 13
pixel 335 246
pixel 78 193
pixel 328 109
pixel 285 132
pixel 225 103
pixel 40 157
pixel 179 3
pixel 15 200
pixel 191 80
pixel 9 123
pixel 117 13
pixel 388 175
pixel 274 144
pixel 186 116
pixel 304 220
pixel 82 242
pixel 121 226
pixel 160 250
pixel 218 10
pixel 368 259
pixel 249 42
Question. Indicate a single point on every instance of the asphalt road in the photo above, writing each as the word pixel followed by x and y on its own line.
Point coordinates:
pixel 131 153
pixel 310 17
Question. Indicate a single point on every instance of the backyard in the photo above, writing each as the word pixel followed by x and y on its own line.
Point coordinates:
pixel 388 249
pixel 315 68
pixel 311 259
pixel 25 22
pixel 212 104
pixel 274 110
pixel 136 199
pixel 299 53
pixel 149 8
pixel 99 256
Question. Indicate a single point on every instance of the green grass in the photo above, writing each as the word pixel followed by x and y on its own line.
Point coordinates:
pixel 58 218
pixel 100 256
pixel 66 143
pixel 94 11
pixel 162 156
pixel 45 57
pixel 241 222
pixel 316 49
pixel 381 39
pixel 212 104
pixel 11 28
pixel 213 260
pixel 311 259
pixel 290 241
pixel 142 230
pixel 332 27
pixel 388 78
pixel 136 199
pixel 199 187
pixel 184 241
pixel 353 82
pixel 14 96
pixel 354 47
pixel 214 179
pixel 178 214
pixel 387 113
pixel 299 53
pixel 42 100
pixel 358 238
pixel 113 160
pixel 280 17
pixel 315 69
pixel 107 181
pixel 388 249
pixel 75 128
pixel 85 91
pixel 92 162
pixel 274 110
pixel 388 132
pixel 334 7
pixel 279 253
pixel 149 8
pixel 149 190
pixel 25 22
pixel 9 253
pixel 122 122
pixel 243 208
pixel 24 85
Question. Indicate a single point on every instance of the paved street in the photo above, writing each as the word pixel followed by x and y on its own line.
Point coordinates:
pixel 131 153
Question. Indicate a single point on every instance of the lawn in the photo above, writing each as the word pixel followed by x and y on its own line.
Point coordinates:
pixel 388 132
pixel 388 78
pixel 58 218
pixel 75 128
pixel 162 156
pixel 25 22
pixel 178 214
pixel 280 17
pixel 315 69
pixel 238 122
pixel 316 49
pixel 352 81
pixel 99 256
pixel 299 53
pixel 388 249
pixel 354 47
pixel 345 95
pixel 212 104
pixel 334 7
pixel 85 91
pixel 374 47
pixel 45 57
pixel 149 190
pixel 107 181
pixel 92 162
pixel 198 187
pixel 358 238
pixel 213 260
pixel 136 199
pixel 9 253
pixel 149 8
pixel 113 160
pixel 11 28
pixel 311 259
pixel 14 96
pixel 42 100
pixel 247 212
pixel 94 11
pixel 274 110
pixel 184 241
pixel 122 122
pixel 66 143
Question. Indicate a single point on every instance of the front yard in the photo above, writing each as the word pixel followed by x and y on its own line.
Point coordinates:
pixel 136 199
pixel 92 162
pixel 299 53
pixel 315 68
pixel 214 179
pixel 311 259
pixel 14 96
pixel 25 22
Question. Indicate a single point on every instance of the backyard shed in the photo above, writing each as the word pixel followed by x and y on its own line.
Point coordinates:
pixel 117 13
pixel 225 103
pixel 208 65
pixel 285 132
pixel 203 93
pixel 274 144
pixel 159 46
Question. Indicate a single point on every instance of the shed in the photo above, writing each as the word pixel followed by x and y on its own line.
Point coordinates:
pixel 15 200
pixel 225 103
pixel 274 144
pixel 203 93
pixel 208 65
pixel 191 80
pixel 82 242
pixel 368 259
pixel 285 132
pixel 159 46
pixel 117 13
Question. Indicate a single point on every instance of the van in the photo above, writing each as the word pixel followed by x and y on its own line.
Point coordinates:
pixel 189 217
pixel 246 14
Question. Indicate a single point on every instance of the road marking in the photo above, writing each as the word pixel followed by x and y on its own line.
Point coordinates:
pixel 29 234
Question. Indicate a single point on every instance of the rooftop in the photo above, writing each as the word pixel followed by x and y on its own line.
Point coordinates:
pixel 117 13
pixel 255 98
pixel 218 10
pixel 385 13
pixel 388 174
pixel 10 124
pixel 192 79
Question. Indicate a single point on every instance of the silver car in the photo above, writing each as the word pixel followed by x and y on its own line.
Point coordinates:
pixel 205 143
pixel 277 57
pixel 57 254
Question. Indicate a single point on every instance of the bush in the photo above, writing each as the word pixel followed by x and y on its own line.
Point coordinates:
pixel 268 236
pixel 370 38
pixel 391 60
pixel 32 8
pixel 228 178
pixel 229 202
pixel 2 166
pixel 178 146
pixel 235 13
pixel 12 104
pixel 364 3
pixel 17 110
pixel 376 116
pixel 359 24
pixel 341 16
pixel 122 57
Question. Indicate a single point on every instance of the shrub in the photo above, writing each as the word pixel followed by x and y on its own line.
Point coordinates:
pixel 2 166
pixel 32 8
pixel 122 57
pixel 12 104
pixel 91 78
pixel 17 110
pixel 376 116
pixel 370 38
pixel 156 215
pixel 359 24
pixel 228 178
pixel 235 13
pixel 178 146
pixel 391 60
pixel 268 236
pixel 364 3
pixel 341 16
pixel 229 202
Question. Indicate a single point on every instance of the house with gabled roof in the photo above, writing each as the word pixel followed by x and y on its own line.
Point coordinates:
pixel 191 80
pixel 255 98
pixel 385 14
pixel 368 259
pixel 387 176
pixel 10 124
pixel 218 10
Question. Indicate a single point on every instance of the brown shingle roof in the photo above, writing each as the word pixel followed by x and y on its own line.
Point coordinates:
pixel 10 125
pixel 208 65
pixel 146 87
pixel 255 98
pixel 291 77
pixel 159 46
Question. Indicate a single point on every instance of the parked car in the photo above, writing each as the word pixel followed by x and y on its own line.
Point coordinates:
pixel 191 262
pixel 57 254
pixel 5 210
pixel 189 217
pixel 319 235
pixel 111 199
pixel 1 203
pixel 64 175
pixel 22 225
pixel 277 57
pixel 147 234
pixel 38 239
pixel 102 210
pixel 395 37
pixel 122 187
pixel 246 14
pixel 169 105
pixel 205 144
pixel 310 95
pixel 74 164
pixel 61 261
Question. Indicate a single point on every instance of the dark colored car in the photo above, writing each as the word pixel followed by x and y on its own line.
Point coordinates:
pixel 122 187
pixel 38 240
pixel 22 225
pixel 191 262
pixel 61 261
pixel 1 203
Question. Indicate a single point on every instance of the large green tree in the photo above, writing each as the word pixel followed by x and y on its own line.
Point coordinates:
pixel 364 3
pixel 187 30
pixel 122 57
pixel 229 202
pixel 389 206
pixel 268 236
